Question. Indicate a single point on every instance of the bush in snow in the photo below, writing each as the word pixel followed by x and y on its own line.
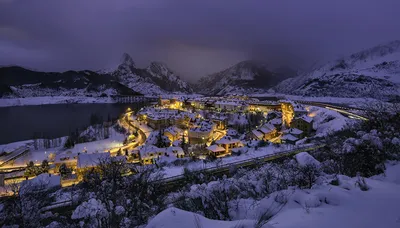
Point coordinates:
pixel 222 198
pixel 23 210
pixel 127 201
pixel 93 213
pixel 364 148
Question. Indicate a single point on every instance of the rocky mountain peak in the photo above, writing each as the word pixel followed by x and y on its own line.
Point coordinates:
pixel 127 60
pixel 159 69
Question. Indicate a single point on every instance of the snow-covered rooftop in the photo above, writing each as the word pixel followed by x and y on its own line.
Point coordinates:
pixel 64 157
pixel 276 121
pixel 293 131
pixel 289 137
pixel 258 134
pixel 215 148
pixel 175 150
pixel 227 140
pixel 203 126
pixel 267 128
pixel 306 118
pixel 41 182
pixel 146 150
pixel 91 160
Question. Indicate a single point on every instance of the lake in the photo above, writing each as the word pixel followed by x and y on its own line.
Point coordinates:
pixel 24 122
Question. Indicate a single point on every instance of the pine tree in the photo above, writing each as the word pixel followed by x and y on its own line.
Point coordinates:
pixel 44 166
pixel 31 169
pixel 64 170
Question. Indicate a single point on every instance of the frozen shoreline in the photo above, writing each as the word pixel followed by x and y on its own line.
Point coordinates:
pixel 10 102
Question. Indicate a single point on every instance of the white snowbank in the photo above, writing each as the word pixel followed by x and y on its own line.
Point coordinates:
pixel 327 121
pixel 324 205
pixel 305 158
pixel 174 217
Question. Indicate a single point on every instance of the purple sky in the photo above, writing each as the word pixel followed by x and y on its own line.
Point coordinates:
pixel 194 38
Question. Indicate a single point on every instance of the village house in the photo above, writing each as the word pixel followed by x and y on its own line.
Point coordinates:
pixel 303 123
pixel 221 122
pixel 69 159
pixel 201 132
pixel 149 154
pixel 228 143
pixel 173 133
pixel 215 150
pixel 264 106
pixel 42 182
pixel 256 134
pixel 232 105
pixel 289 139
pixel 181 119
pixel 277 123
pixel 269 131
pixel 175 151
pixel 295 132
pixel 87 162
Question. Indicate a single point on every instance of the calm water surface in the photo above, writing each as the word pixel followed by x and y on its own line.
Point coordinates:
pixel 24 122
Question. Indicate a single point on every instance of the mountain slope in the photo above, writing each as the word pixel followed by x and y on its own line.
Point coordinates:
pixel 157 78
pixel 127 79
pixel 20 82
pixel 374 72
pixel 246 76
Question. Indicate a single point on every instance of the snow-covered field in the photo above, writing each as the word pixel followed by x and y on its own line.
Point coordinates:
pixel 328 121
pixel 7 102
pixel 324 205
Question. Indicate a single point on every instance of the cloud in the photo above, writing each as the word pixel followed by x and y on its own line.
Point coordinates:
pixel 194 37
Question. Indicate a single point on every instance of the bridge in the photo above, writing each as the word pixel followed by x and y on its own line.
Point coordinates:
pixel 133 99
pixel 20 151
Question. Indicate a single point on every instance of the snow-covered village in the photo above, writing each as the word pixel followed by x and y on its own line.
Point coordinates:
pixel 209 114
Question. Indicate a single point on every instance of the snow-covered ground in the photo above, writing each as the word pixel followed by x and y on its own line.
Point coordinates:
pixel 7 102
pixel 324 205
pixel 328 121
pixel 174 217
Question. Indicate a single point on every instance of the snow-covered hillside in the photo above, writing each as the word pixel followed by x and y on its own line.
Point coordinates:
pixel 20 82
pixel 325 205
pixel 156 79
pixel 374 72
pixel 244 77
pixel 126 79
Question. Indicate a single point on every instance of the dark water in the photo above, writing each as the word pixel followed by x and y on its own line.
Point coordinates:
pixel 25 122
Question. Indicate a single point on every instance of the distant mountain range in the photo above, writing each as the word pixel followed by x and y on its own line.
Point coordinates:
pixel 374 72
pixel 127 79
pixel 244 77
pixel 157 78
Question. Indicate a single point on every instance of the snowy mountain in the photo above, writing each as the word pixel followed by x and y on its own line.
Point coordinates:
pixel 157 78
pixel 127 79
pixel 20 82
pixel 244 77
pixel 374 72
